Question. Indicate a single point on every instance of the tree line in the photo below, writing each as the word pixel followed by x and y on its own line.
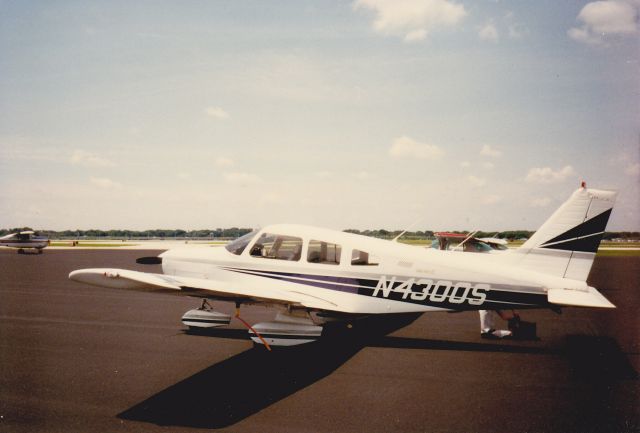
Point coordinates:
pixel 228 233
pixel 235 232
pixel 429 234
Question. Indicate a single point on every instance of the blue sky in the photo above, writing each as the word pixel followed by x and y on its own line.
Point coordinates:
pixel 365 114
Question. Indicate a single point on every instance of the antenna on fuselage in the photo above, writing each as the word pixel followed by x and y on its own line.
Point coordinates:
pixel 406 230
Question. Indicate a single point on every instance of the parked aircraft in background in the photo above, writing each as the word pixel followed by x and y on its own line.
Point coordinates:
pixel 315 276
pixel 467 243
pixel 495 243
pixel 25 240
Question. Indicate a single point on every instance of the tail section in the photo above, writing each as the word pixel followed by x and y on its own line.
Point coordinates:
pixel 567 242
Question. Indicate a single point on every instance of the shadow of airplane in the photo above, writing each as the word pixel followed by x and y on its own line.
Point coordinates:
pixel 234 389
pixel 597 359
pixel 240 386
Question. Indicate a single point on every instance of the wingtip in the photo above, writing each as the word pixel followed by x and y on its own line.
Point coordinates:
pixel 78 273
pixel 73 275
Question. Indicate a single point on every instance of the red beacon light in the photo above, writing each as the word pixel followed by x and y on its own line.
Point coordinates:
pixel 583 184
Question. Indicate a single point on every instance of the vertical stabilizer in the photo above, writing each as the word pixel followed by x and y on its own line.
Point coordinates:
pixel 567 242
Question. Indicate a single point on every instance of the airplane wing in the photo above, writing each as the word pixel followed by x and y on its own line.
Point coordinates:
pixel 160 283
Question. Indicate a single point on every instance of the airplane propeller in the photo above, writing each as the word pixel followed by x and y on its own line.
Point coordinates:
pixel 149 260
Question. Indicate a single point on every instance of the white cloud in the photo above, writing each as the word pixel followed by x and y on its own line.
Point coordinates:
pixel 547 175
pixel 540 202
pixel 491 199
pixel 104 183
pixel 476 181
pixel 241 178
pixel 361 175
pixel 602 18
pixel 490 151
pixel 609 16
pixel 633 169
pixel 217 113
pixel 80 157
pixel 416 35
pixel 488 33
pixel 222 161
pixel 584 36
pixel 408 147
pixel 412 19
pixel 465 164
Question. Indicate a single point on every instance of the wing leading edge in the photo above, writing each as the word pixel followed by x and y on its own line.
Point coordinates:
pixel 160 283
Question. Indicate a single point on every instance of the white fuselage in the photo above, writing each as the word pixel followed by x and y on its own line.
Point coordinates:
pixel 403 279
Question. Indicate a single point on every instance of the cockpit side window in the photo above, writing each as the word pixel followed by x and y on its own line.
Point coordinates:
pixel 237 246
pixel 280 247
pixel 324 252
pixel 362 258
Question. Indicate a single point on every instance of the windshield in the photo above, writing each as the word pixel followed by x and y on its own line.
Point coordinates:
pixel 237 246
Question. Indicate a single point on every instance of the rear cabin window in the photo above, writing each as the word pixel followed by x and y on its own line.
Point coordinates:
pixel 279 247
pixel 324 252
pixel 362 258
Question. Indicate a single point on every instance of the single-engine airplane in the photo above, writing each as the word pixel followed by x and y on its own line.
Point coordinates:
pixel 317 276
pixel 25 240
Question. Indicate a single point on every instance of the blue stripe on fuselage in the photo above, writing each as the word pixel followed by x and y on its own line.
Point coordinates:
pixel 495 299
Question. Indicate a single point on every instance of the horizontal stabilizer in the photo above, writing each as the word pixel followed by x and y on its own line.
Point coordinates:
pixel 578 298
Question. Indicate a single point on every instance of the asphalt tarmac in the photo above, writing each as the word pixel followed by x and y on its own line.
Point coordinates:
pixel 81 358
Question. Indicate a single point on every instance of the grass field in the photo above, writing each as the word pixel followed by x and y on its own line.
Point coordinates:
pixel 618 253
pixel 620 244
pixel 415 241
pixel 91 244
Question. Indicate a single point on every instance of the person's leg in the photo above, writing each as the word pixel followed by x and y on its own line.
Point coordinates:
pixel 487 324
